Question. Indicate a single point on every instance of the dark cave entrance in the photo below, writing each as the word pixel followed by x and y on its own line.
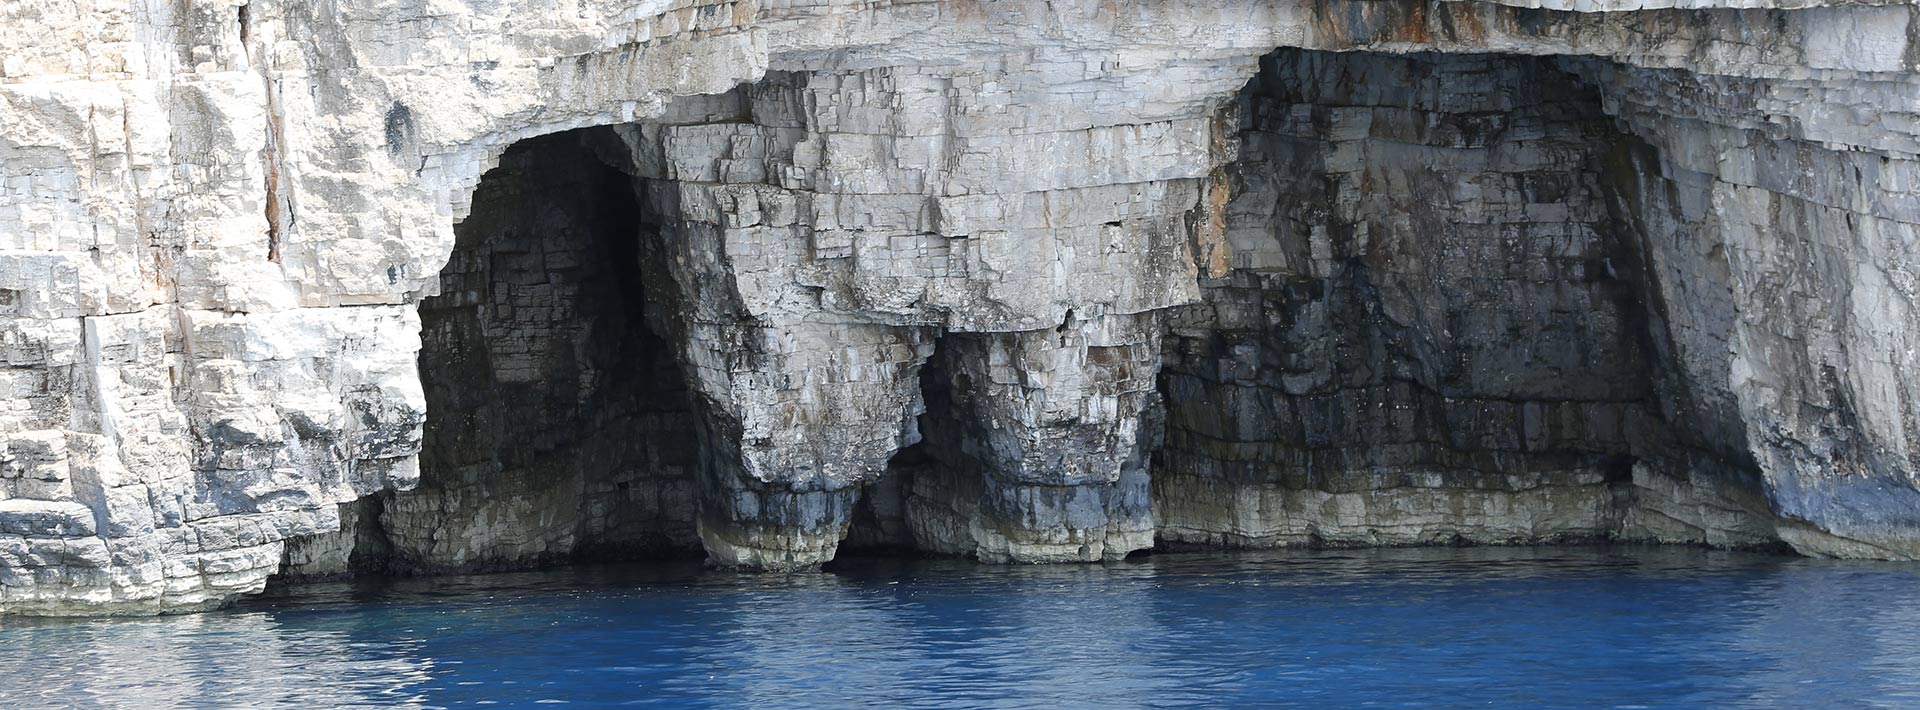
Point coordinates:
pixel 1444 321
pixel 559 424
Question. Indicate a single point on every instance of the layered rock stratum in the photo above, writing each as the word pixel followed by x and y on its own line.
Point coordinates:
pixel 409 285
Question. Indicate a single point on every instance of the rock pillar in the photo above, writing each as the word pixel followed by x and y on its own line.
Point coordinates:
pixel 793 420
pixel 1057 424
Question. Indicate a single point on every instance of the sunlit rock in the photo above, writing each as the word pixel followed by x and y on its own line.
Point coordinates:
pixel 424 287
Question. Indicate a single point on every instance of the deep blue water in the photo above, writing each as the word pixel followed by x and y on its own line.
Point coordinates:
pixel 1483 628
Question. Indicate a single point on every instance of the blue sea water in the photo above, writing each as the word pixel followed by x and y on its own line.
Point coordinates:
pixel 1423 628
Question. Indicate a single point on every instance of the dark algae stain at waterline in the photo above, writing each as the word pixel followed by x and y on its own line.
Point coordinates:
pixel 1477 627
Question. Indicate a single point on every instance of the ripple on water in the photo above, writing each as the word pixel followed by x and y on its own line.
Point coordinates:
pixel 1482 627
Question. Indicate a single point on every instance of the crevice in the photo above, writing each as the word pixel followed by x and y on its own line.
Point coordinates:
pixel 885 521
pixel 279 208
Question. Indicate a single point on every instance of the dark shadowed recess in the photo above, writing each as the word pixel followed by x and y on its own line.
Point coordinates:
pixel 548 383
pixel 558 423
pixel 1445 312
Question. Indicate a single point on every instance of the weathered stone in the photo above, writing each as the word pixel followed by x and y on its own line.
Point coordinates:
pixel 1632 270
pixel 41 518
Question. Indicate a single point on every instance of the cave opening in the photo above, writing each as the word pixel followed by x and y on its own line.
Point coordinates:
pixel 560 423
pixel 1443 321
pixel 562 418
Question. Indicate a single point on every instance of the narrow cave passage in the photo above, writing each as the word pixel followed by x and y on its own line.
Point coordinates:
pixel 928 500
pixel 558 422
pixel 892 515
pixel 1031 447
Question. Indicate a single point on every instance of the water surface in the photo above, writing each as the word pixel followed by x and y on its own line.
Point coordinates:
pixel 1484 628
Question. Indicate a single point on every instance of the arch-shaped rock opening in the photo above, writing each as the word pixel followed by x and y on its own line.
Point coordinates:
pixel 1444 322
pixel 559 422
pixel 1032 447
pixel 562 417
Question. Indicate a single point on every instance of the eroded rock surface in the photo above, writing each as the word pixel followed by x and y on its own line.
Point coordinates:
pixel 1023 281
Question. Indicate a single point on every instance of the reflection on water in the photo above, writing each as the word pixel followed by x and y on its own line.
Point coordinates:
pixel 1488 627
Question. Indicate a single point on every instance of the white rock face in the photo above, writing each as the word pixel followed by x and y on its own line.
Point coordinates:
pixel 219 222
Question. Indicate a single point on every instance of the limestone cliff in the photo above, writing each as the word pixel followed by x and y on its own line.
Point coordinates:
pixel 316 286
